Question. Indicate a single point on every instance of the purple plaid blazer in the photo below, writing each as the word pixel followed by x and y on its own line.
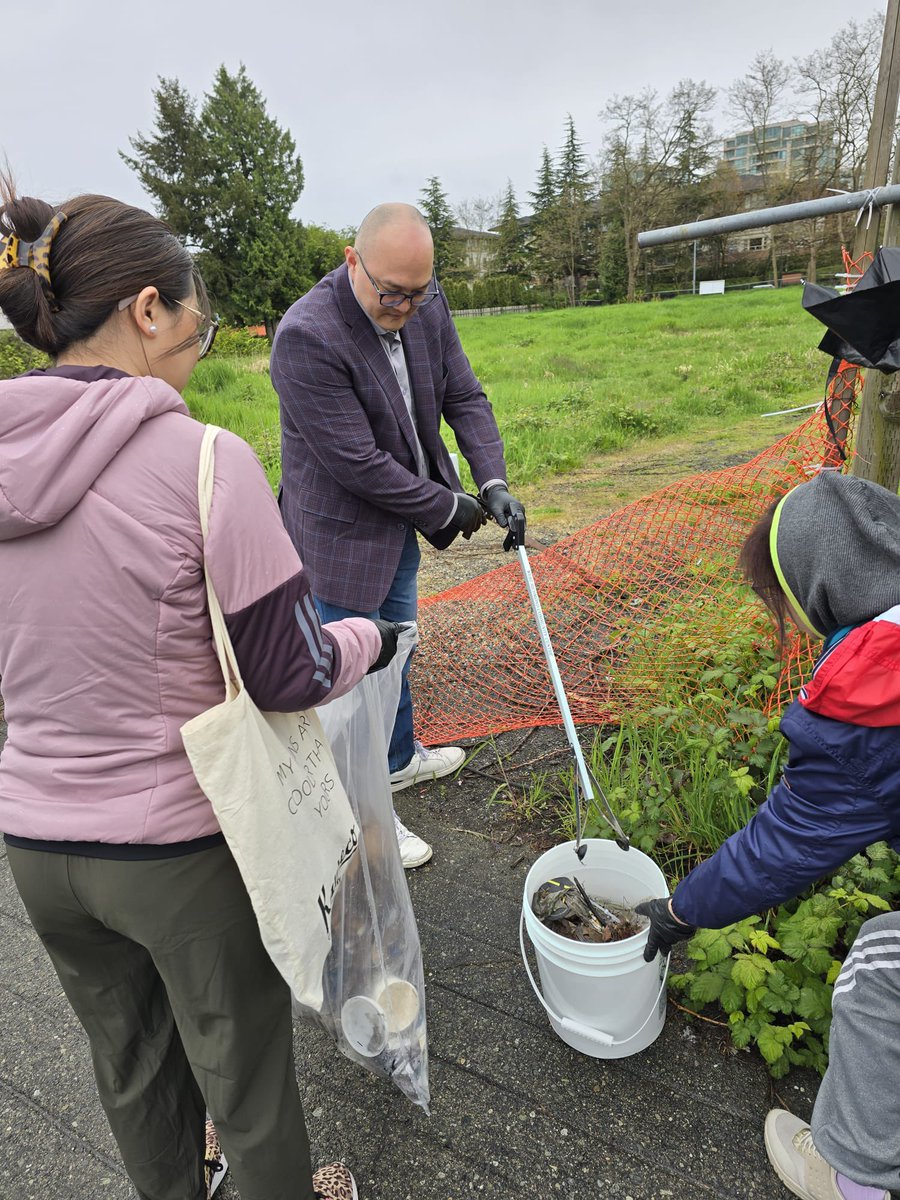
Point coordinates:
pixel 350 490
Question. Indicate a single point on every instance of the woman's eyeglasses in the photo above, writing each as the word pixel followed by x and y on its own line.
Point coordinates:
pixel 207 328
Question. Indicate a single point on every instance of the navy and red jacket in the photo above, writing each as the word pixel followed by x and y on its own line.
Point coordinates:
pixel 839 792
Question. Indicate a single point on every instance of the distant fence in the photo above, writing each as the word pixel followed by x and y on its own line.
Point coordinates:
pixel 744 285
pixel 492 312
pixel 660 294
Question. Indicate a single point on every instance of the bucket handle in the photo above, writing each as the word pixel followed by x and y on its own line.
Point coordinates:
pixel 587 1031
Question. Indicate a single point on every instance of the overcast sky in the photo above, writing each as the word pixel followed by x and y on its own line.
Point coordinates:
pixel 377 96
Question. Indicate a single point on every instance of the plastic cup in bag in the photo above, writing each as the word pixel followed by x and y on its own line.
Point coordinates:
pixel 400 1000
pixel 364 1025
pixel 373 983
pixel 367 1024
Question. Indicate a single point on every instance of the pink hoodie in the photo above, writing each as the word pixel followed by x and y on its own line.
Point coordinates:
pixel 105 642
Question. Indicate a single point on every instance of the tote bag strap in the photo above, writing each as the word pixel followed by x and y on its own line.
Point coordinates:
pixel 222 642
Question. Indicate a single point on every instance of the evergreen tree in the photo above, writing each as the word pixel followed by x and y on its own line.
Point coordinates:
pixel 544 195
pixel 573 176
pixel 613 265
pixel 325 248
pixel 564 224
pixel 459 294
pixel 511 254
pixel 575 222
pixel 543 198
pixel 225 178
pixel 439 215
pixel 167 164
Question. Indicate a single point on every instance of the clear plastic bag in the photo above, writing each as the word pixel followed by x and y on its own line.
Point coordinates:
pixel 373 986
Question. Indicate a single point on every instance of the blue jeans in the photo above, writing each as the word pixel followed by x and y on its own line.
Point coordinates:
pixel 400 604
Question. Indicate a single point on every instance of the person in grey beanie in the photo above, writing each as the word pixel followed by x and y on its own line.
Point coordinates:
pixel 826 557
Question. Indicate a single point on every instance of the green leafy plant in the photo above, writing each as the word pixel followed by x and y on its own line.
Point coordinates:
pixel 17 357
pixel 681 784
pixel 691 772
pixel 773 975
pixel 633 420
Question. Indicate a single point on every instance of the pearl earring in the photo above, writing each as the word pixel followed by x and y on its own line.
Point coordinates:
pixel 153 329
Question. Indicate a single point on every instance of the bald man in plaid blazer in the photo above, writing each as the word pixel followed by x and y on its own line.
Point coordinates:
pixel 367 365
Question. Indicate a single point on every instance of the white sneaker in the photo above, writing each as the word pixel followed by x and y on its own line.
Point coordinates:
pixel 426 765
pixel 798 1164
pixel 414 852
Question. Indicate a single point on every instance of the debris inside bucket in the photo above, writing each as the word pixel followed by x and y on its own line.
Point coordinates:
pixel 563 905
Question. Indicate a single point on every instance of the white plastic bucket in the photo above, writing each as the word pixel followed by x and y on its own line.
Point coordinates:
pixel 601 997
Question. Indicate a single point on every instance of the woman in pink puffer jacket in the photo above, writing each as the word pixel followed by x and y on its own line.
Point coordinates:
pixel 105 652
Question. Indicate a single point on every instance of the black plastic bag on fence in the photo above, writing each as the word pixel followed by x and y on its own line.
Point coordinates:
pixel 863 325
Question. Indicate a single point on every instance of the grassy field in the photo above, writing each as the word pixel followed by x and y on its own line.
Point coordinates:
pixel 575 383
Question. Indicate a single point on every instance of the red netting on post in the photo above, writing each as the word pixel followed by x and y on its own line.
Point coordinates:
pixel 636 604
pixel 855 268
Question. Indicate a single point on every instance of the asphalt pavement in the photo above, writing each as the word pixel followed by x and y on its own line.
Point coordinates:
pixel 515 1112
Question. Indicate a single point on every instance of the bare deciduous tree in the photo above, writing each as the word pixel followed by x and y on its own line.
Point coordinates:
pixel 480 212
pixel 652 148
pixel 756 101
pixel 837 84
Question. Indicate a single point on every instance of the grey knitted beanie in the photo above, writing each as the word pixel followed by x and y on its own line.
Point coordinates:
pixel 836 543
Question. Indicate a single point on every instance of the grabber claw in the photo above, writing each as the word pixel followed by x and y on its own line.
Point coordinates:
pixel 515 537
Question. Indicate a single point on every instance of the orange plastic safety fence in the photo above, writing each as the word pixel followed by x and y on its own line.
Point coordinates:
pixel 637 604
pixel 640 607
pixel 854 268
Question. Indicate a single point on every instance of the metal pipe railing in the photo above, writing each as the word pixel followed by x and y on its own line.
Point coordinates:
pixel 842 202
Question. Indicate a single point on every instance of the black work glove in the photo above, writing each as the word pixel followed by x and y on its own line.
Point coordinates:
pixel 390 631
pixel 665 930
pixel 469 515
pixel 508 512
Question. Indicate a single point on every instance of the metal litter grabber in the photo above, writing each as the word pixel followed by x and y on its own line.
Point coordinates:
pixel 587 789
pixel 603 999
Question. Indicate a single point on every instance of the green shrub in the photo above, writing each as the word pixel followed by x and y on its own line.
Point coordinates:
pixel 774 976
pixel 240 343
pixel 681 784
pixel 634 420
pixel 458 293
pixel 17 357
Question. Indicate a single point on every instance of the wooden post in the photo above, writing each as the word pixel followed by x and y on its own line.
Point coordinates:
pixel 877 441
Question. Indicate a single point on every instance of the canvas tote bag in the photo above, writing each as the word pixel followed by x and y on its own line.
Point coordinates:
pixel 275 790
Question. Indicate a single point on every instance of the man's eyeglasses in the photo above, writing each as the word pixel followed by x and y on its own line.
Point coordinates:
pixel 207 328
pixel 395 299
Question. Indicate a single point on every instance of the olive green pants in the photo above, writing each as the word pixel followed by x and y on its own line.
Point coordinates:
pixel 163 964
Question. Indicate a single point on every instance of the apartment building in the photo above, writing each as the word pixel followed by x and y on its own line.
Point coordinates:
pixel 792 148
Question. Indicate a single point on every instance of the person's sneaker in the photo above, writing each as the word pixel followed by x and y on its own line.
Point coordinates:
pixel 215 1164
pixel 800 1166
pixel 334 1182
pixel 426 765
pixel 414 852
